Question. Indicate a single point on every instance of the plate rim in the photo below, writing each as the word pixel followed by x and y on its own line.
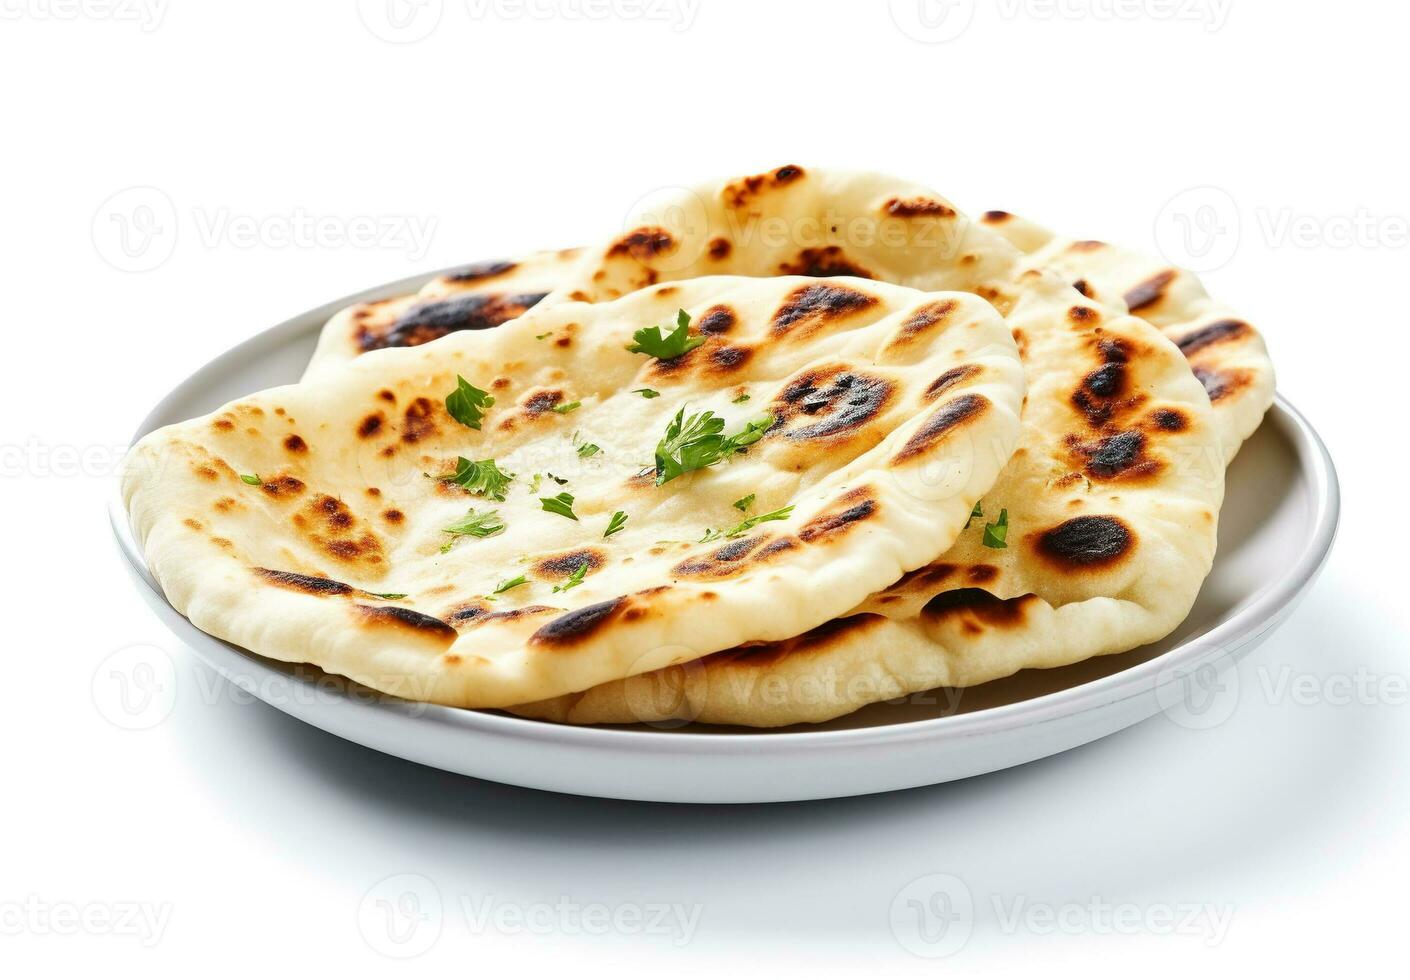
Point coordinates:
pixel 1265 608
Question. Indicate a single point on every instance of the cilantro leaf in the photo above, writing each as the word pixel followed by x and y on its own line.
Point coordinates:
pixel 646 392
pixel 699 441
pixel 744 503
pixel 977 512
pixel 252 479
pixel 651 340
pixel 510 583
pixel 740 400
pixel 483 477
pixel 618 521
pixel 749 523
pixel 574 580
pixel 477 525
pixel 996 533
pixel 467 404
pixel 566 408
pixel 561 504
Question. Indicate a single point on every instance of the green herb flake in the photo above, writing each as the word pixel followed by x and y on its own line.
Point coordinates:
pixel 977 512
pixel 699 441
pixel 510 583
pixel 574 580
pixel 744 503
pixel 483 477
pixel 540 336
pixel 467 404
pixel 618 521
pixel 996 533
pixel 476 525
pixel 561 504
pixel 749 523
pixel 566 408
pixel 653 342
pixel 252 479
pixel 740 400
pixel 646 392
pixel 388 595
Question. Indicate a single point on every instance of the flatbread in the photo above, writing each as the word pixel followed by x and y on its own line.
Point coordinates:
pixel 1112 500
pixel 1226 352
pixel 792 221
pixel 473 297
pixel 893 411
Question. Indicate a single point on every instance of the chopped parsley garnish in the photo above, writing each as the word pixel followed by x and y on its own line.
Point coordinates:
pixel 653 342
pixel 566 408
pixel 510 583
pixel 977 512
pixel 586 449
pixel 646 392
pixel 388 595
pixel 618 521
pixel 467 404
pixel 477 525
pixel 540 336
pixel 561 504
pixel 749 522
pixel 699 441
pixel 741 399
pixel 556 479
pixel 252 479
pixel 574 580
pixel 481 476
pixel 744 503
pixel 996 533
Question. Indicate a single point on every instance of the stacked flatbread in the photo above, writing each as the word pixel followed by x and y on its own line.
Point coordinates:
pixel 787 445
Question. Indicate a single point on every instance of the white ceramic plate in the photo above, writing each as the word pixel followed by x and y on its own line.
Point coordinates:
pixel 1276 528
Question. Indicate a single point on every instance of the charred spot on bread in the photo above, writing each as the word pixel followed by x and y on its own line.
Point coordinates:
pixel 1087 542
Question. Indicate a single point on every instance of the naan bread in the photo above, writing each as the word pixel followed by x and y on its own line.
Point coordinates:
pixel 1226 352
pixel 893 411
pixel 1112 500
pixel 795 222
pixel 473 297
pixel 791 221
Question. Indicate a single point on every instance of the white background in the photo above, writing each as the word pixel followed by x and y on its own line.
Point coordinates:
pixel 258 843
